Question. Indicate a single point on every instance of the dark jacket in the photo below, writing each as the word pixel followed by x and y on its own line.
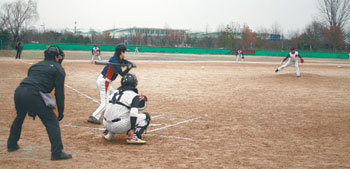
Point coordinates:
pixel 46 76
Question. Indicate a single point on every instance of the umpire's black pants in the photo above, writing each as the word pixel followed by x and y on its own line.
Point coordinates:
pixel 18 55
pixel 28 100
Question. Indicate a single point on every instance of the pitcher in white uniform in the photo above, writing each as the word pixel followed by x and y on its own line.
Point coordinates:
pixel 239 54
pixel 122 112
pixel 293 60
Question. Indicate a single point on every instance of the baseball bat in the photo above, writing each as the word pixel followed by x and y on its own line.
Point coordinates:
pixel 109 63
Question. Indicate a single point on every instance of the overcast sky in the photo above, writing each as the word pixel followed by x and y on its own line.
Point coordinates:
pixel 195 15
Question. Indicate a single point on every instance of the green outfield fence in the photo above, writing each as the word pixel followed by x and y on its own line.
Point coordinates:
pixel 183 50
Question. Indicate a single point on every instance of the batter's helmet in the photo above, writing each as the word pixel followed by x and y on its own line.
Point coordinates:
pixel 119 49
pixel 129 80
pixel 52 52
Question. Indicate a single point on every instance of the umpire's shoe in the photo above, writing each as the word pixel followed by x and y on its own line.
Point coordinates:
pixel 12 148
pixel 135 140
pixel 60 156
pixel 93 120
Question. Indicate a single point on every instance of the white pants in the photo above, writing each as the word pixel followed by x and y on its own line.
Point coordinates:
pixel 100 83
pixel 122 126
pixel 93 57
pixel 239 56
pixel 291 62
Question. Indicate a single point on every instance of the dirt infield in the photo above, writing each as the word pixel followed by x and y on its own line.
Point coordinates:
pixel 227 115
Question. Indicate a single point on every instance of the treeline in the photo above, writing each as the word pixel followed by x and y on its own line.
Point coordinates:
pixel 315 37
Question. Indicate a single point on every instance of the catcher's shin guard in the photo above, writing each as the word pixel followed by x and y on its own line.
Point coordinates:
pixel 140 129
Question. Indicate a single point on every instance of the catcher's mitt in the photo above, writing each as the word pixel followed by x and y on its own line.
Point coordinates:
pixel 142 102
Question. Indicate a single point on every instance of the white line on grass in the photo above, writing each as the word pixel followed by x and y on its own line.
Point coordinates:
pixel 172 125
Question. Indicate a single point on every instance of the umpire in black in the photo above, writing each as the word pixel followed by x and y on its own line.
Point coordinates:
pixel 42 78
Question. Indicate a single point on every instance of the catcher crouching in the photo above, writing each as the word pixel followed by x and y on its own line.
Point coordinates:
pixel 122 112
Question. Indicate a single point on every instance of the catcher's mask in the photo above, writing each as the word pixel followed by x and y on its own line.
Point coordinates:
pixel 129 80
pixel 52 52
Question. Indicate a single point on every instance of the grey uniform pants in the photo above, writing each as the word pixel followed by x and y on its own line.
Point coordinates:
pixel 291 62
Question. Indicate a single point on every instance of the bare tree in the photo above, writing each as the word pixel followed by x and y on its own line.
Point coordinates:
pixel 336 13
pixel 276 29
pixel 17 15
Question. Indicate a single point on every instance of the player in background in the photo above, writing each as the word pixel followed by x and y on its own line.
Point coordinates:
pixel 136 50
pixel 348 57
pixel 109 74
pixel 19 48
pixel 95 52
pixel 292 60
pixel 122 112
pixel 239 54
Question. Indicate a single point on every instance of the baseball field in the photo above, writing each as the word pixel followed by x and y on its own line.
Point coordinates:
pixel 224 115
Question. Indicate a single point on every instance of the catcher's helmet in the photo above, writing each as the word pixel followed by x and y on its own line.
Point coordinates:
pixel 52 52
pixel 129 80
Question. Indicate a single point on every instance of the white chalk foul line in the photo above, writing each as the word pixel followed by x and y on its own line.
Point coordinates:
pixel 155 117
pixel 83 127
pixel 175 137
pixel 172 125
pixel 102 129
pixel 92 99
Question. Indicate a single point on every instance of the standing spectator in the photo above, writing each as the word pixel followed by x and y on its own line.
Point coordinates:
pixel 19 48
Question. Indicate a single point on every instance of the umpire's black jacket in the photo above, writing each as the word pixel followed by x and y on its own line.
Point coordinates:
pixel 45 76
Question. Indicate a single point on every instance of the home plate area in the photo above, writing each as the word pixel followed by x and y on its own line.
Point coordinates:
pixel 158 123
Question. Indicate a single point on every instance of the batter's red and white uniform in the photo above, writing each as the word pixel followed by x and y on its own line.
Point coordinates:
pixel 104 80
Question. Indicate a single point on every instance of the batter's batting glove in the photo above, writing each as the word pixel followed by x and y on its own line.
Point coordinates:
pixel 60 116
pixel 131 65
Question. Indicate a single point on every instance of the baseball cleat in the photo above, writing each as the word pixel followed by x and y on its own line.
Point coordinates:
pixel 276 70
pixel 61 156
pixel 93 120
pixel 136 141
pixel 108 136
pixel 12 148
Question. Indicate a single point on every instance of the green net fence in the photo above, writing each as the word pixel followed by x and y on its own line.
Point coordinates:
pixel 183 50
